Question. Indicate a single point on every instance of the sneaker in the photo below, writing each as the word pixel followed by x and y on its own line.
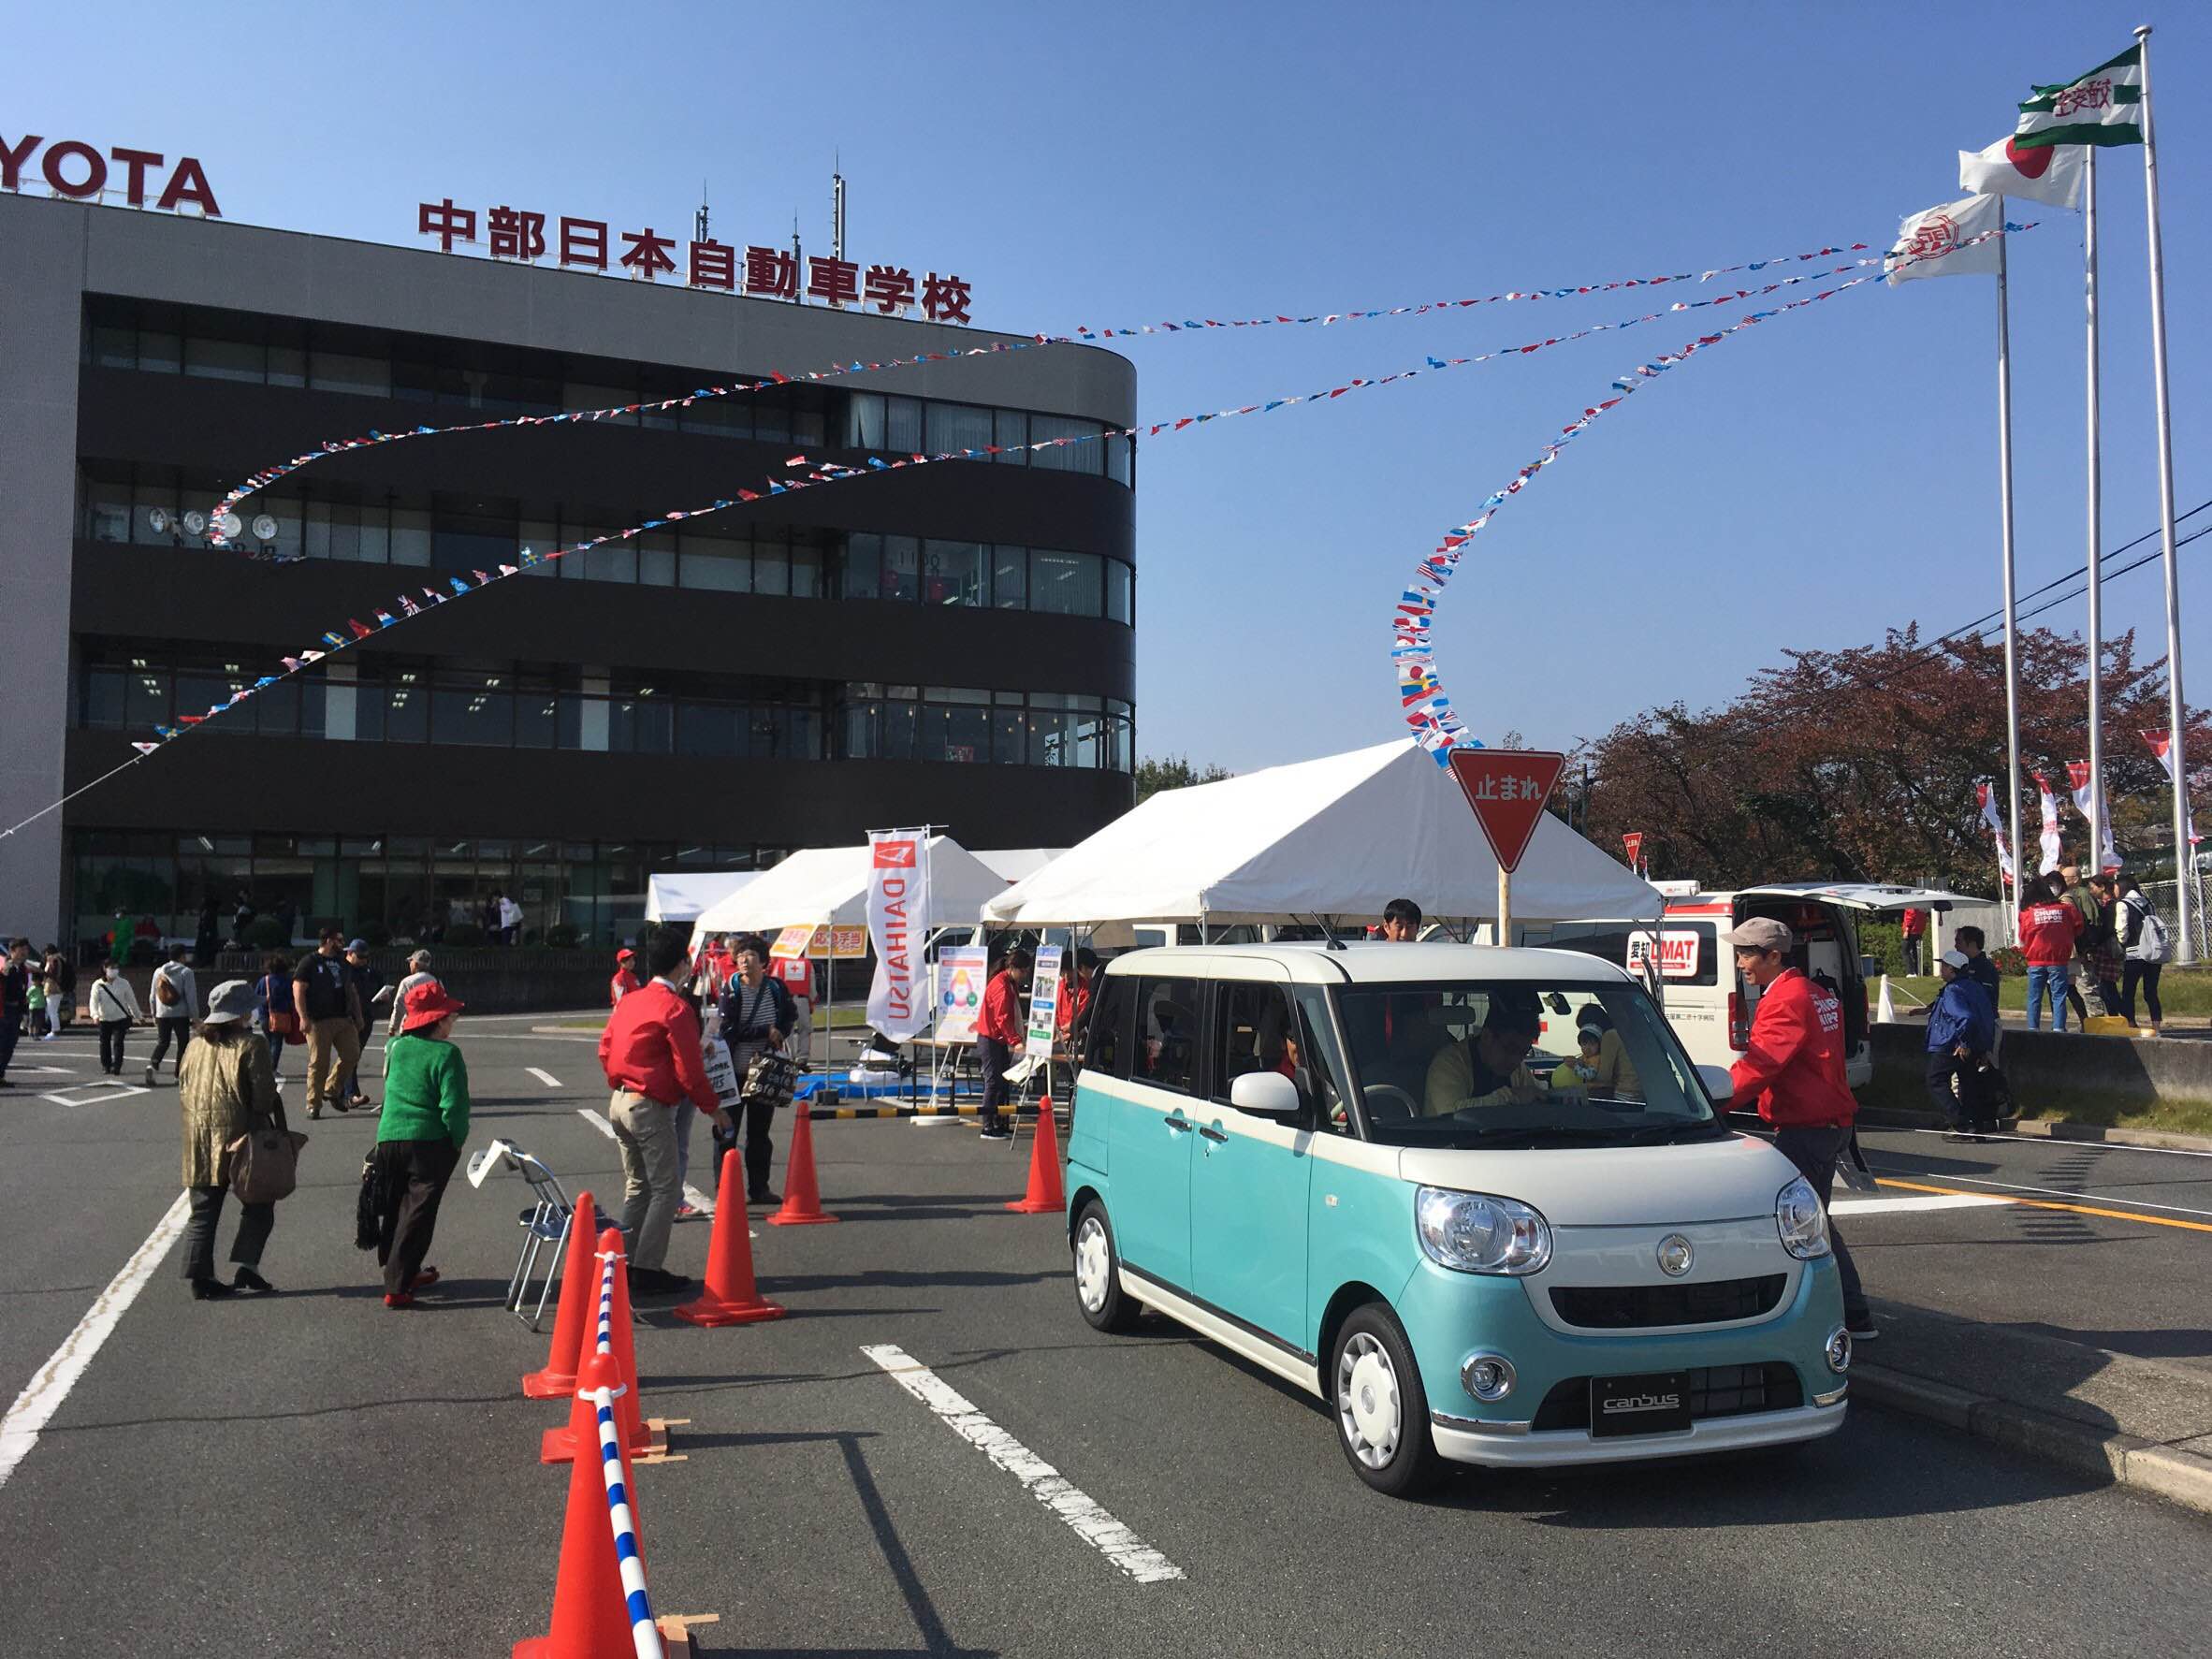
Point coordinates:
pixel 152 1077
pixel 404 1298
pixel 247 1279
pixel 685 1210
pixel 423 1280
pixel 992 1131
pixel 1862 1326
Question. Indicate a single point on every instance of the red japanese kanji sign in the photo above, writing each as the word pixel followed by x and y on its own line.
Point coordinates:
pixel 1507 789
pixel 1634 841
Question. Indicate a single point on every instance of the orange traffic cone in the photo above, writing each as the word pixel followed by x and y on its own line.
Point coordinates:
pixel 802 1193
pixel 590 1603
pixel 579 1307
pixel 1045 1194
pixel 557 1446
pixel 731 1297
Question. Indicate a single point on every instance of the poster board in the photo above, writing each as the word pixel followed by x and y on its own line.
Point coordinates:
pixel 842 942
pixel 793 941
pixel 721 1072
pixel 1044 1003
pixel 962 974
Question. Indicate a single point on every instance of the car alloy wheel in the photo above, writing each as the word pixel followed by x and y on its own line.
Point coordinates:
pixel 1094 1264
pixel 1368 1403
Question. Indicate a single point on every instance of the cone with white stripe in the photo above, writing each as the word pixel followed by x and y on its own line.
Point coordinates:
pixel 599 1600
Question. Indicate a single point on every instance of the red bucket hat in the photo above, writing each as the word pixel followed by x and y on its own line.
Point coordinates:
pixel 429 1004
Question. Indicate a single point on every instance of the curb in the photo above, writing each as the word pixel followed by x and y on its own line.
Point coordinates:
pixel 1885 1118
pixel 2165 1472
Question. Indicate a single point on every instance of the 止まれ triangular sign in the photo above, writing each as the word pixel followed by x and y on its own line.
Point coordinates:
pixel 1507 789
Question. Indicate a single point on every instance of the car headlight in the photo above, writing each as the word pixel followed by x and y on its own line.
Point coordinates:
pixel 1472 1232
pixel 1800 1220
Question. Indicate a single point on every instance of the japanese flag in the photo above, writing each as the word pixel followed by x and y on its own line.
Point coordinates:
pixel 2049 173
pixel 1942 241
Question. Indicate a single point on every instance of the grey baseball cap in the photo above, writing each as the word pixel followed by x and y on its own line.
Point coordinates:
pixel 1760 933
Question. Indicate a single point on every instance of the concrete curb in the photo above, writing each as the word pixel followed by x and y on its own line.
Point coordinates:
pixel 1890 1117
pixel 2126 1459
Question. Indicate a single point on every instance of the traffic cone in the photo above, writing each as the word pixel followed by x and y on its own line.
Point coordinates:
pixel 802 1193
pixel 579 1307
pixel 590 1604
pixel 731 1297
pixel 637 1441
pixel 1045 1194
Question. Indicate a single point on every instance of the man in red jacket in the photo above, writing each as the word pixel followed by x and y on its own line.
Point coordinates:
pixel 1000 1035
pixel 650 1054
pixel 1793 1070
pixel 624 981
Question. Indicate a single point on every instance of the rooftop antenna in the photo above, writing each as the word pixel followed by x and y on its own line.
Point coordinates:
pixel 837 207
pixel 699 219
pixel 798 263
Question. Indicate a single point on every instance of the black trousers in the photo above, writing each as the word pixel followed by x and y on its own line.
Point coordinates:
pixel 756 1117
pixel 112 1035
pixel 412 1175
pixel 1942 1068
pixel 2132 973
pixel 170 1026
pixel 992 1057
pixel 9 1031
pixel 200 1231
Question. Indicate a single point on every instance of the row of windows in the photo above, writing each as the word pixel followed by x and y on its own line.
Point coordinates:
pixel 787 719
pixel 271 352
pixel 800 562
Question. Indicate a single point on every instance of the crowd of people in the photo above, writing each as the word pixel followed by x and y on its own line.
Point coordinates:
pixel 2090 945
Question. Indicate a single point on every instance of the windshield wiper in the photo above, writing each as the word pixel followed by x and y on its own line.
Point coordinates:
pixel 1661 1133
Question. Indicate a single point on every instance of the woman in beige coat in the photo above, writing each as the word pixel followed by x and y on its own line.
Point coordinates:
pixel 227 1088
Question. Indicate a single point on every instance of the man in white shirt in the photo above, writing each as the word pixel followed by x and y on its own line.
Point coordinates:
pixel 176 1004
pixel 510 920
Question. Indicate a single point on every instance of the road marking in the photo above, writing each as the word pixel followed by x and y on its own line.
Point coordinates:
pixel 113 1091
pixel 692 1195
pixel 1046 1484
pixel 43 1395
pixel 546 1078
pixel 2067 1143
pixel 1896 1206
pixel 2071 1209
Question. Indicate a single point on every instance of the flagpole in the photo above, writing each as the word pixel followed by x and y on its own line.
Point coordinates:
pixel 2187 943
pixel 2012 622
pixel 2096 812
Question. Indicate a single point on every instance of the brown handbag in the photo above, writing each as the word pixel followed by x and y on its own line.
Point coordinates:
pixel 265 1164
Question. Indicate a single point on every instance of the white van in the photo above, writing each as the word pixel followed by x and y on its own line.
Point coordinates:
pixel 1706 1001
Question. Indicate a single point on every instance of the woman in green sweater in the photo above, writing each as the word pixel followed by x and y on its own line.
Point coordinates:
pixel 418 1138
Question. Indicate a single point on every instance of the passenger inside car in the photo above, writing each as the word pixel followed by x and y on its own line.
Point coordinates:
pixel 1489 1067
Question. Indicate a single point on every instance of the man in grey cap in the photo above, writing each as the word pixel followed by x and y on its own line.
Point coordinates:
pixel 418 973
pixel 1793 1070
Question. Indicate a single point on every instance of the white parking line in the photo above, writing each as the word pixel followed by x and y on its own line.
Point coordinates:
pixel 692 1195
pixel 42 1397
pixel 1046 1484
pixel 546 1078
pixel 1894 1206
pixel 108 1091
pixel 2070 1195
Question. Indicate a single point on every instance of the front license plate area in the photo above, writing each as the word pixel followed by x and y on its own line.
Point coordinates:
pixel 1655 1403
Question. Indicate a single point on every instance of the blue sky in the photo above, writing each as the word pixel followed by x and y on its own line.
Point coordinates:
pixel 1807 484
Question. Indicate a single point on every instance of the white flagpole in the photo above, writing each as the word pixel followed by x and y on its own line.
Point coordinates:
pixel 2096 812
pixel 2005 518
pixel 2186 944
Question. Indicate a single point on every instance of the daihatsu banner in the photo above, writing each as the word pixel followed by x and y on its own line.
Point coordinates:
pixel 898 909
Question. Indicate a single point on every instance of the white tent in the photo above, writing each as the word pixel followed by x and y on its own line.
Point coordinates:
pixel 681 894
pixel 831 884
pixel 1341 836
pixel 1018 864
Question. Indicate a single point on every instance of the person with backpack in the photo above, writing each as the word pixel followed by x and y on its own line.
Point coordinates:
pixel 2147 945
pixel 176 1005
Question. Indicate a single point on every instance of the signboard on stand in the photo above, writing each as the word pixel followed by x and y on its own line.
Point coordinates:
pixel 962 974
pixel 1044 1003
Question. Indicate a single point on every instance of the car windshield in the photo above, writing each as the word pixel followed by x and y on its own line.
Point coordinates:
pixel 1519 1063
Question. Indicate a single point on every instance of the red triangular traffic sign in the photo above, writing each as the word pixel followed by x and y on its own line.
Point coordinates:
pixel 1507 789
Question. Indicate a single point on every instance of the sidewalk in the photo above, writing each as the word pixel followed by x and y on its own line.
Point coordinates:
pixel 2136 1422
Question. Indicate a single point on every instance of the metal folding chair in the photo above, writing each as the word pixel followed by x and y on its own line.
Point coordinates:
pixel 546 1223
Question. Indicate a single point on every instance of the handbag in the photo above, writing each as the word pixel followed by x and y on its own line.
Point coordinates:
pixel 367 1221
pixel 265 1164
pixel 284 1019
pixel 771 1078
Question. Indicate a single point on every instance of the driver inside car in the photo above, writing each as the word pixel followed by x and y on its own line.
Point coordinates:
pixel 1489 1068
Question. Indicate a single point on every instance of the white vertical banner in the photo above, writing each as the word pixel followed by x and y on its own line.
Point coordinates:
pixel 2162 744
pixel 1987 794
pixel 2050 823
pixel 2095 810
pixel 898 922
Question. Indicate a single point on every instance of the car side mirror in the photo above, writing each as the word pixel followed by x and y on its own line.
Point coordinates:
pixel 1718 1083
pixel 1266 1093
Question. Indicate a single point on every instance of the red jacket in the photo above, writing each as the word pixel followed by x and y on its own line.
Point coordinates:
pixel 2047 931
pixel 650 1046
pixel 1794 1067
pixel 621 986
pixel 1001 1017
pixel 1913 923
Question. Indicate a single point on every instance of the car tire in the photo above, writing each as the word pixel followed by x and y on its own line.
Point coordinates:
pixel 1374 1394
pixel 1098 1272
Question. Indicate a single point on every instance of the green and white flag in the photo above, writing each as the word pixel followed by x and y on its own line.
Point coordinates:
pixel 2104 107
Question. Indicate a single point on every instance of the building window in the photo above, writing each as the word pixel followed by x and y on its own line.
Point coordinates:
pixel 954 427
pixel 1013 429
pixel 722 564
pixel 956 573
pixel 1121 600
pixel 1084 454
pixel 1067 583
pixel 902 567
pixel 902 425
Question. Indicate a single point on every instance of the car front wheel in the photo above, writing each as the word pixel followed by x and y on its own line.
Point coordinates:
pixel 1382 1413
pixel 1098 1272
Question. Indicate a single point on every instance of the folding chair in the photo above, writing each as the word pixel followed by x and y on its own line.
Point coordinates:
pixel 547 1222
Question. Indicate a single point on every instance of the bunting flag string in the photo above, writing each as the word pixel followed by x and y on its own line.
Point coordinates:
pixel 1422 699
pixel 272 474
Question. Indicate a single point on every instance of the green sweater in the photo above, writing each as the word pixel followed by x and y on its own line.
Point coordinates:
pixel 426 1092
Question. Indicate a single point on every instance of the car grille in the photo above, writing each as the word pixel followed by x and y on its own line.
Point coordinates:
pixel 1715 1390
pixel 1625 1307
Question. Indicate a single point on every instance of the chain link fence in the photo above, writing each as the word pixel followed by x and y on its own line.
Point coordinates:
pixel 2165 899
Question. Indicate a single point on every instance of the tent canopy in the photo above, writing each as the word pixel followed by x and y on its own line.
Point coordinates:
pixel 1018 864
pixel 681 894
pixel 1341 836
pixel 831 884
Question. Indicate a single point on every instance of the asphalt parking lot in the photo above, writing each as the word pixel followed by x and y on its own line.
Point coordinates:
pixel 311 1473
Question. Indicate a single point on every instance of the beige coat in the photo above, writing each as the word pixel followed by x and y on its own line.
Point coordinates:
pixel 225 1088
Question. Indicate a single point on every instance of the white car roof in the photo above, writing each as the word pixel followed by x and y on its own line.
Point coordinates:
pixel 1368 962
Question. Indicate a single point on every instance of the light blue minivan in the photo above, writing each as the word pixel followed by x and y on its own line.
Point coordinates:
pixel 1478 1200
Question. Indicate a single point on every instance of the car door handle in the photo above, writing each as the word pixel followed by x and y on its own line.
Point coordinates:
pixel 1211 1133
pixel 1181 1125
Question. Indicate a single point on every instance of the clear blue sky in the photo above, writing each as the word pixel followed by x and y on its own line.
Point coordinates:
pixel 1805 485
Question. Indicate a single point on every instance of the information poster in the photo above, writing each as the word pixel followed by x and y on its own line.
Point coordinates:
pixel 1044 1003
pixel 844 942
pixel 793 941
pixel 962 973
pixel 721 1073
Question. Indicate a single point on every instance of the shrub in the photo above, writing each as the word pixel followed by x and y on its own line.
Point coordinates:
pixel 2010 959
pixel 464 933
pixel 561 935
pixel 1884 941
pixel 266 932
